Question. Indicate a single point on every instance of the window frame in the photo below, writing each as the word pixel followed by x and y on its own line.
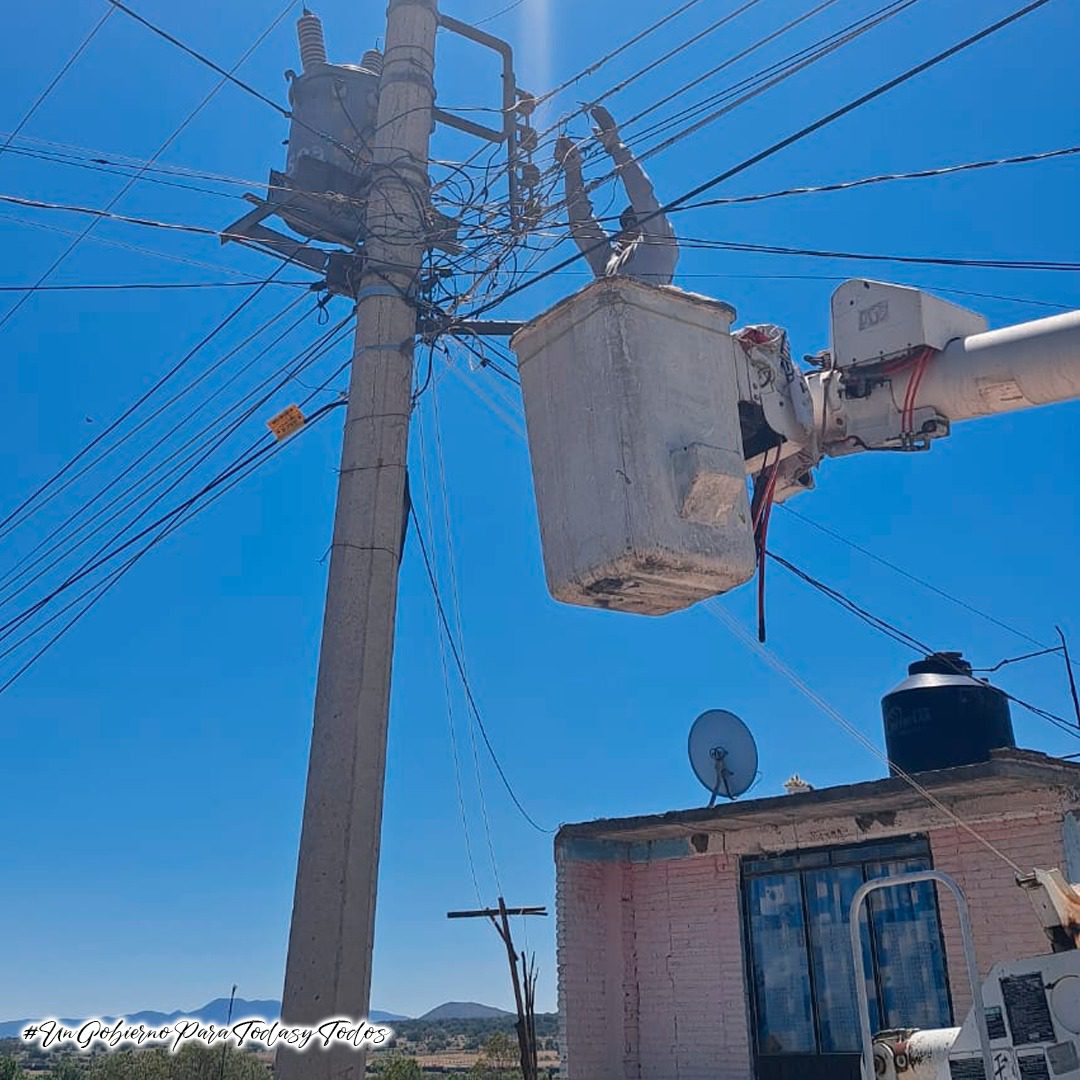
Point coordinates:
pixel 855 855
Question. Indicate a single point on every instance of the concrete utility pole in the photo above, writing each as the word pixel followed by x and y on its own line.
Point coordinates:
pixel 328 972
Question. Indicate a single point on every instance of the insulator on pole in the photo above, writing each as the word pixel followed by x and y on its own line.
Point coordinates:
pixel 372 60
pixel 309 29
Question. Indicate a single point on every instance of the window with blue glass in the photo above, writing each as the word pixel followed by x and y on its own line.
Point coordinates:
pixel 799 952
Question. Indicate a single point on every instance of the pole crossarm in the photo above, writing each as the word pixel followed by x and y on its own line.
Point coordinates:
pixel 493 913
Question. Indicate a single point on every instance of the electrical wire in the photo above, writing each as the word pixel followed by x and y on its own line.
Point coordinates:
pixel 847 541
pixel 498 14
pixel 66 253
pixel 123 245
pixel 837 717
pixel 750 87
pixel 448 696
pixel 905 639
pixel 227 75
pixel 13 519
pixel 617 51
pixel 455 601
pixel 782 144
pixel 1019 659
pixel 881 625
pixel 114 547
pixel 216 489
pixel 885 178
pixel 81 514
pixel 469 697
pixel 708 244
pixel 56 80
pixel 149 286
pixel 653 106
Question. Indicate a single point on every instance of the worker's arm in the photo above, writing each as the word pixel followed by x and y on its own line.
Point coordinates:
pixel 587 232
pixel 655 227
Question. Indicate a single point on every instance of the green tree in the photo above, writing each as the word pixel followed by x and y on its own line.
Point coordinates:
pixel 9 1069
pixel 500 1059
pixel 190 1063
pixel 66 1069
pixel 398 1067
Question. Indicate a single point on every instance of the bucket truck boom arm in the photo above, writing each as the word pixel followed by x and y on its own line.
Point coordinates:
pixel 905 366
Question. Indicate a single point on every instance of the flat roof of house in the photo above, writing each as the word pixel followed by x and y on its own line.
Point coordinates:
pixel 1008 770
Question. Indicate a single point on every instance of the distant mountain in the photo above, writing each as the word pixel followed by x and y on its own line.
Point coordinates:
pixel 213 1012
pixel 464 1010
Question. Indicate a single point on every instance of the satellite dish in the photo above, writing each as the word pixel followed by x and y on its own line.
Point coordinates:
pixel 723 753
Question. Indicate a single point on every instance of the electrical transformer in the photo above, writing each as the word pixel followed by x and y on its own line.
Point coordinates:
pixel 632 405
pixel 322 191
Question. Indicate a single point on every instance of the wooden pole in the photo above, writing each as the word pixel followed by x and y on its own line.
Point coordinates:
pixel 524 996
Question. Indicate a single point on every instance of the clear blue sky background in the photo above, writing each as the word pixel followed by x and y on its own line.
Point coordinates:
pixel 153 763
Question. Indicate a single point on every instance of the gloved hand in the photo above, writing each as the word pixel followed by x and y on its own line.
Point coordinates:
pixel 605 129
pixel 565 149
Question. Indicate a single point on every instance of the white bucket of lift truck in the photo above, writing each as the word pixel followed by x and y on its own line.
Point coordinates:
pixel 631 402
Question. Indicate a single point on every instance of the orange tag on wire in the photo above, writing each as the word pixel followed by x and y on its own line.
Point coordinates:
pixel 287 422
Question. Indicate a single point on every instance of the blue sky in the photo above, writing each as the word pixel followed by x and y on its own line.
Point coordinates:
pixel 153 762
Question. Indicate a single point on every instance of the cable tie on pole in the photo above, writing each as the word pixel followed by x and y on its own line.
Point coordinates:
pixel 379 348
pixel 377 290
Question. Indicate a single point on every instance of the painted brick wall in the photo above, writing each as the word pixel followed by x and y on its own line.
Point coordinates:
pixel 663 995
pixel 589 1003
pixel 650 953
pixel 1002 918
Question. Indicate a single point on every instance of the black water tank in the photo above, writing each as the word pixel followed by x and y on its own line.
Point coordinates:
pixel 940 716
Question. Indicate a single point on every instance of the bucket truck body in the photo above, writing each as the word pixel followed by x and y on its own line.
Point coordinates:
pixel 1031 1006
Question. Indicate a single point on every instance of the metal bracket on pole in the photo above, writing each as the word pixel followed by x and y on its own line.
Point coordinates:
pixel 514 104
pixel 474 327
pixel 855 926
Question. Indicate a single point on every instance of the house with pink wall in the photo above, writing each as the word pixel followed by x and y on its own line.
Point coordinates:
pixel 713 944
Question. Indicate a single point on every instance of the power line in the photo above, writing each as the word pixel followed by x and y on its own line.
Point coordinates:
pixel 63 256
pixel 1018 659
pixel 617 51
pixel 800 684
pixel 455 602
pixel 13 519
pixel 883 178
pixel 681 47
pixel 474 708
pixel 789 140
pixel 689 243
pixel 498 14
pixel 753 85
pixel 56 79
pixel 29 561
pixel 728 62
pixel 708 244
pixel 847 541
pixel 769 77
pixel 127 286
pixel 902 637
pixel 106 213
pixel 235 475
pixel 448 696
pixel 228 76
pixel 123 245
pixel 107 553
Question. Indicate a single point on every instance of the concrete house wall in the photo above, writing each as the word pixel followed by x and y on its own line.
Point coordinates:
pixel 652 981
